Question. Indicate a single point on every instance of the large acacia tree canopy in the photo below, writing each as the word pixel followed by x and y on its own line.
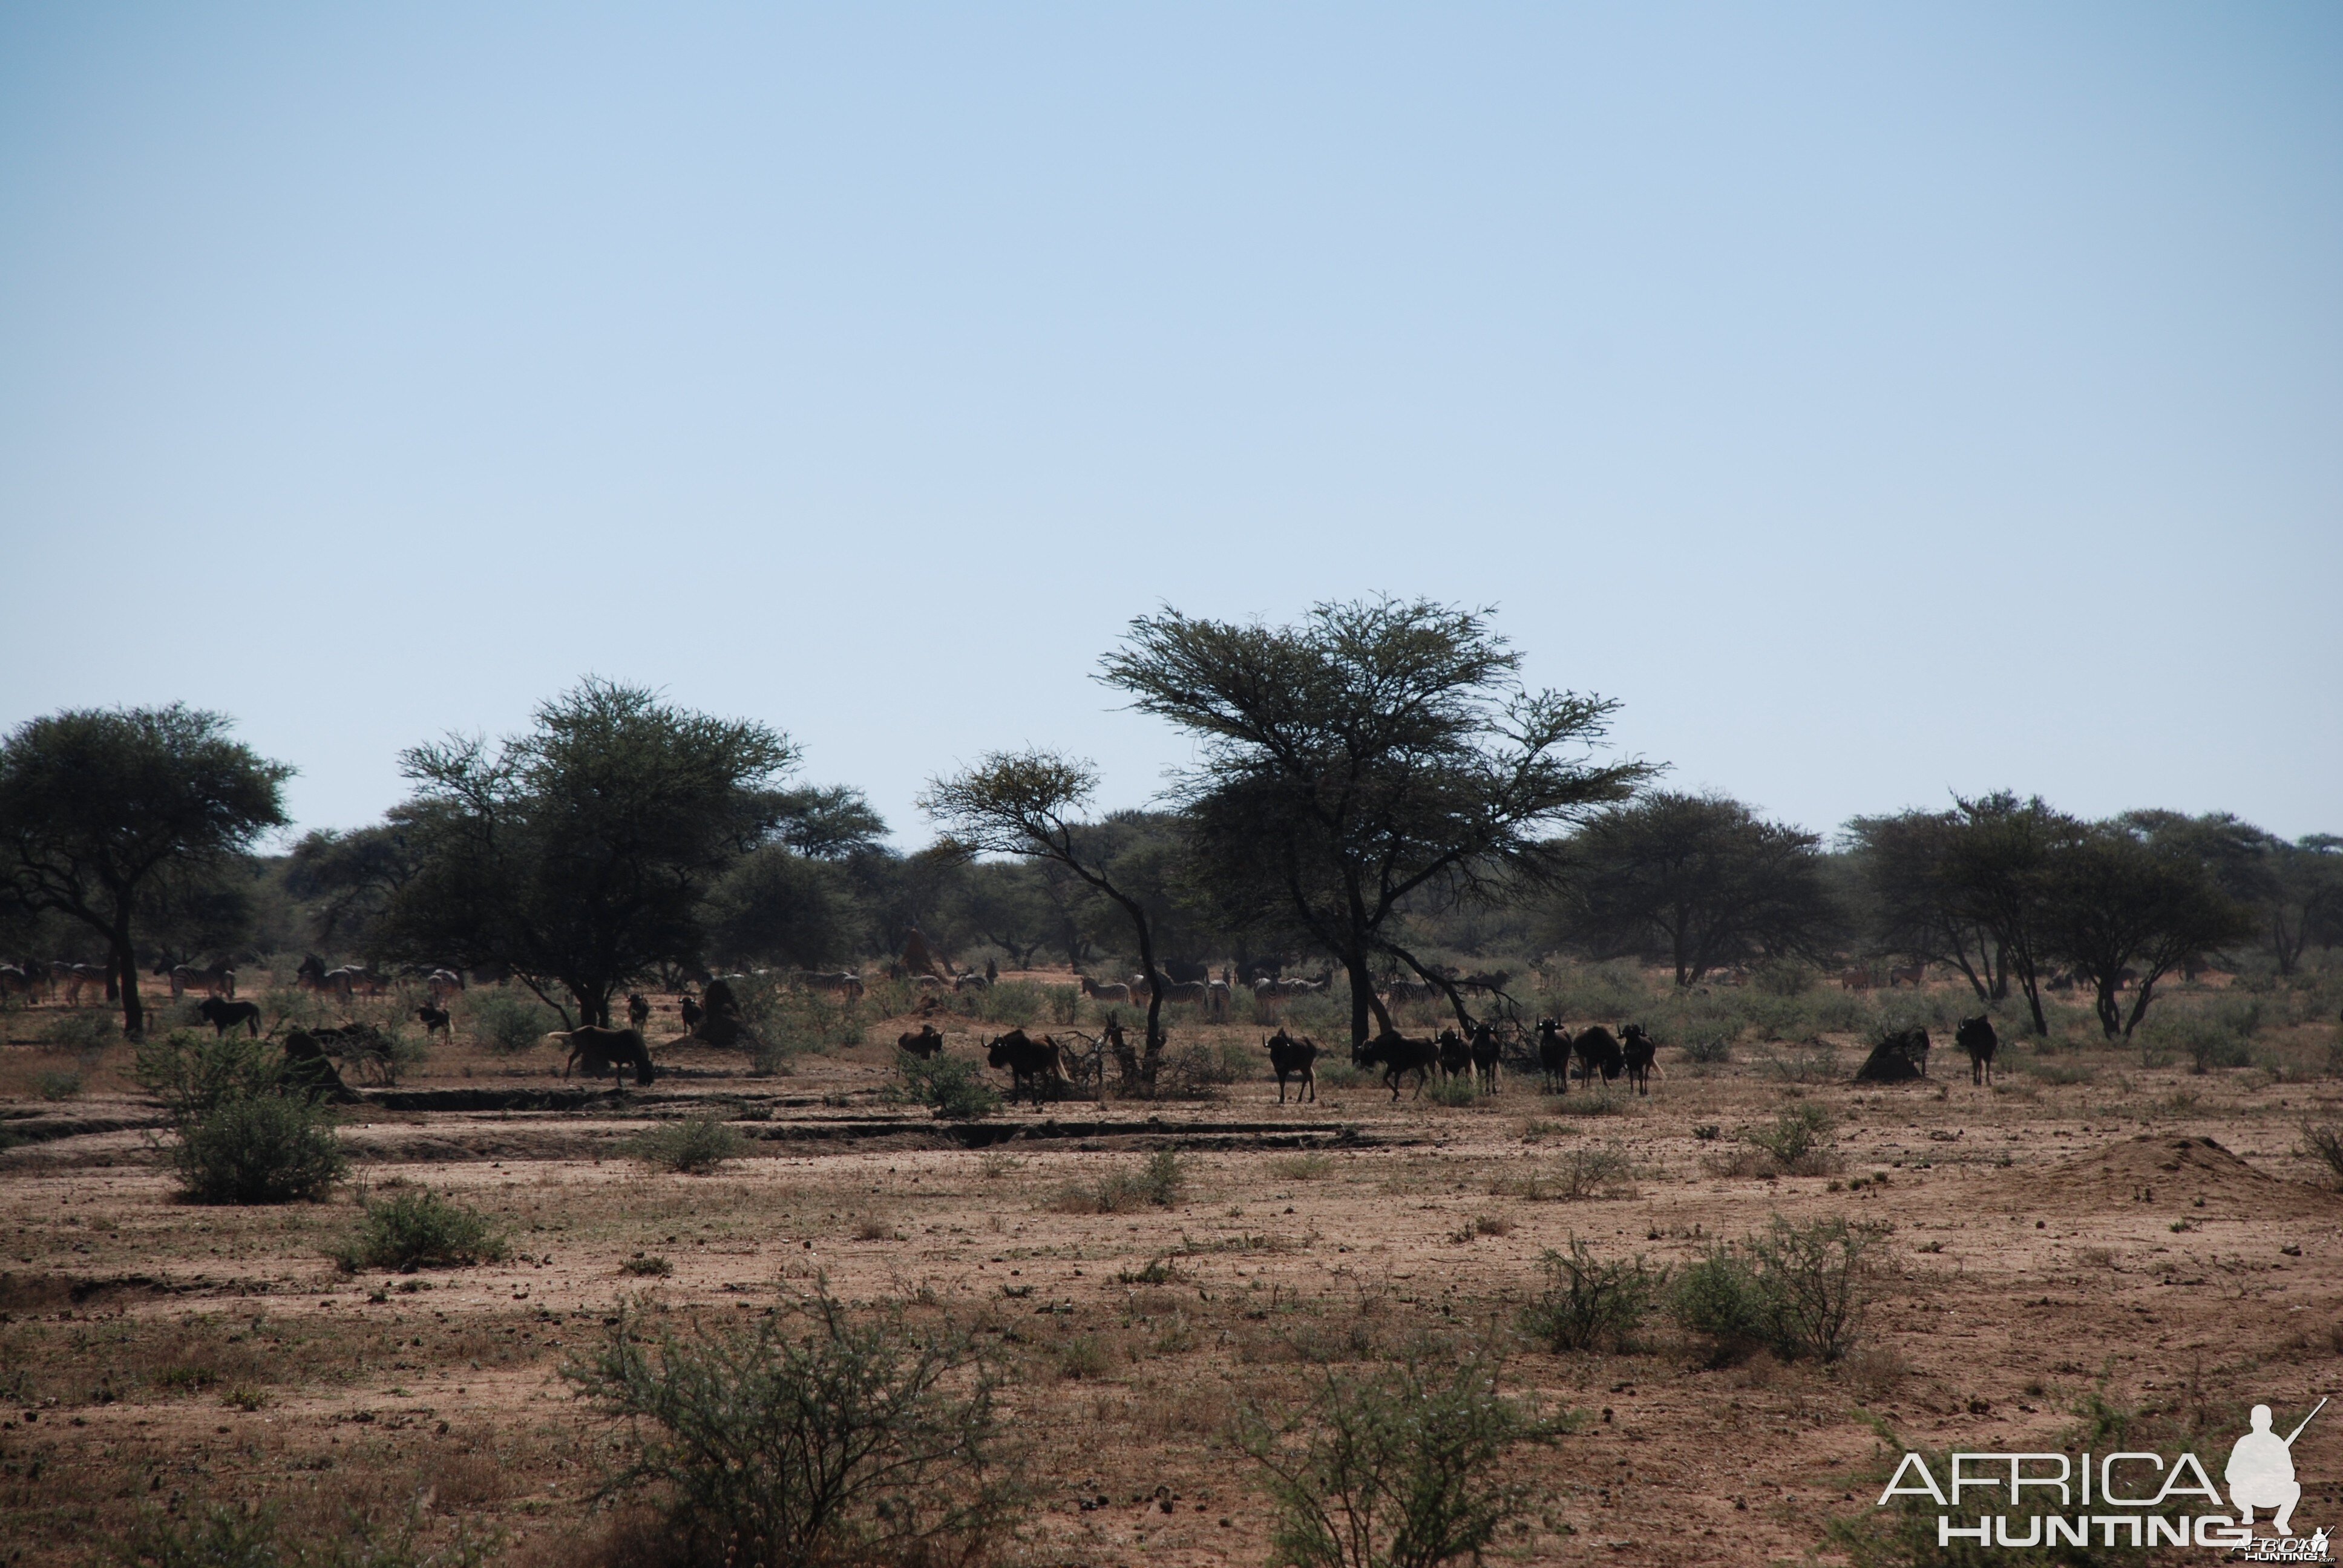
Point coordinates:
pixel 1380 751
pixel 97 803
pixel 580 853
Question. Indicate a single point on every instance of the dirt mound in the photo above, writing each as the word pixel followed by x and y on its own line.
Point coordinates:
pixel 2173 1172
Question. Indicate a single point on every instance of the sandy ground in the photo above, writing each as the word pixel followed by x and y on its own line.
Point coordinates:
pixel 2053 1242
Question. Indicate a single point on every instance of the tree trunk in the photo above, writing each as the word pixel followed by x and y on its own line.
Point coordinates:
pixel 2140 1005
pixel 2029 981
pixel 1364 1005
pixel 124 965
pixel 2110 1011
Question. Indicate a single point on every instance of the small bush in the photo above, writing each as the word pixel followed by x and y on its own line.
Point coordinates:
pixel 2325 1142
pixel 506 1021
pixel 1717 1298
pixel 420 1229
pixel 692 1147
pixel 1816 1062
pixel 1398 1469
pixel 1156 1185
pixel 1799 1143
pixel 2206 1041
pixel 1799 1290
pixel 647 1266
pixel 804 1437
pixel 952 1084
pixel 82 1032
pixel 1712 1050
pixel 1199 1065
pixel 1454 1092
pixel 1818 1280
pixel 1012 1004
pixel 784 1022
pixel 1588 1304
pixel 57 1085
pixel 258 1149
pixel 1083 1356
pixel 1338 1072
pixel 1783 977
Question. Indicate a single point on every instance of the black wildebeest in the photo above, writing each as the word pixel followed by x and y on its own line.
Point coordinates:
pixel 309 1072
pixel 1032 1063
pixel 1975 1036
pixel 434 1020
pixel 224 1016
pixel 1637 1051
pixel 1900 1057
pixel 927 1044
pixel 1485 1053
pixel 1455 1056
pixel 1597 1051
pixel 1291 1057
pixel 639 1009
pixel 1554 1053
pixel 689 1006
pixel 595 1050
pixel 1397 1055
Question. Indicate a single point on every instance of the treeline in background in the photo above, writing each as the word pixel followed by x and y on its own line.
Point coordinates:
pixel 1380 805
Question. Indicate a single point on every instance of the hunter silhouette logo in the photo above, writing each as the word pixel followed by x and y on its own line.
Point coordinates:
pixel 2260 1472
pixel 2133 1498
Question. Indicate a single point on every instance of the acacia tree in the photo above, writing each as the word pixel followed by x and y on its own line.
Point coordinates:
pixel 2119 905
pixel 1917 910
pixel 580 855
pixel 2291 887
pixel 1379 753
pixel 1997 870
pixel 1698 881
pixel 1032 804
pixel 97 806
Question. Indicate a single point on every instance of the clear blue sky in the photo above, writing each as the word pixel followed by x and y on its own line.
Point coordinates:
pixel 1875 401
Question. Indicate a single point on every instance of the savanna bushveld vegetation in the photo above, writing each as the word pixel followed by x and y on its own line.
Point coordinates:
pixel 624 1152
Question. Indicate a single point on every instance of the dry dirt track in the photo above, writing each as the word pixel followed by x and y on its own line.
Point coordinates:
pixel 2051 1240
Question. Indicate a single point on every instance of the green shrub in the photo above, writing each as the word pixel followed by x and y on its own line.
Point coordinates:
pixel 1818 1280
pixel 1588 1304
pixel 1083 1356
pixel 1156 1185
pixel 420 1229
pixel 508 1021
pixel 1798 1142
pixel 82 1032
pixel 2325 1142
pixel 54 1085
pixel 692 1147
pixel 1816 1061
pixel 1009 1004
pixel 228 1535
pixel 1783 977
pixel 1799 1290
pixel 190 1071
pixel 648 1266
pixel 258 1149
pixel 785 1022
pixel 2206 1041
pixel 1338 1071
pixel 238 1140
pixel 952 1084
pixel 1402 1468
pixel 1454 1092
pixel 1709 1050
pixel 804 1437
pixel 1717 1298
pixel 1209 1065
